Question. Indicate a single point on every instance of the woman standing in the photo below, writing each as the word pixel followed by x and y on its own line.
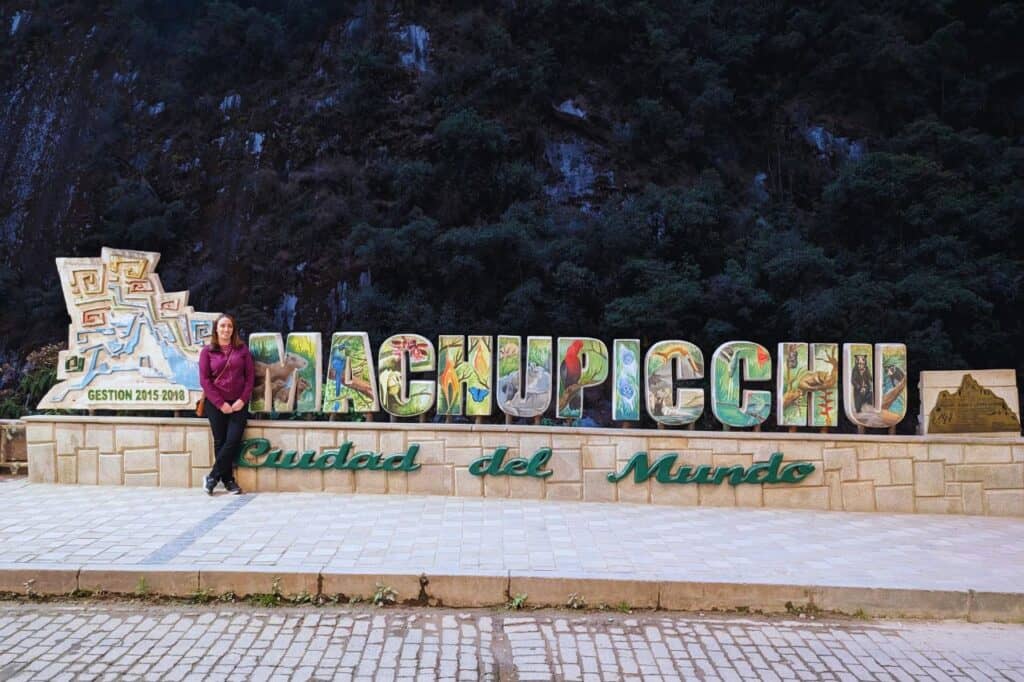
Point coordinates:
pixel 226 375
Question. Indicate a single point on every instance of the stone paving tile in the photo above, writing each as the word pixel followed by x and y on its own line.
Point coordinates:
pixel 88 525
pixel 235 642
pixel 672 647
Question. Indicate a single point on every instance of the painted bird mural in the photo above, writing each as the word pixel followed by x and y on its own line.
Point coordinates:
pixel 338 361
pixel 570 372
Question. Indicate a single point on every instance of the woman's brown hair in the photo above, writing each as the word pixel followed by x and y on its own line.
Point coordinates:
pixel 236 340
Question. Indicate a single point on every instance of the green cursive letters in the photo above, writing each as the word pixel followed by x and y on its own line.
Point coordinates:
pixel 495 465
pixel 762 472
pixel 256 452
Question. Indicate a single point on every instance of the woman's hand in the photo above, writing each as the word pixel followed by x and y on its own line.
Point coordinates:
pixel 237 405
pixel 226 409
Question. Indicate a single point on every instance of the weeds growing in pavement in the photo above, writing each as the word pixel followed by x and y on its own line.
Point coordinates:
pixel 384 595
pixel 517 602
pixel 201 596
pixel 576 601
pixel 273 598
pixel 810 610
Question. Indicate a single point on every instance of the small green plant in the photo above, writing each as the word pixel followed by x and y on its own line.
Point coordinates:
pixel 302 598
pixel 266 599
pixel 229 597
pixel 576 601
pixel 355 599
pixel 141 587
pixel 80 594
pixel 201 596
pixel 623 607
pixel 273 598
pixel 384 595
pixel 517 602
pixel 802 610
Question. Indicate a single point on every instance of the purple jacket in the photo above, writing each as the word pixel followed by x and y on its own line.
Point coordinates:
pixel 235 382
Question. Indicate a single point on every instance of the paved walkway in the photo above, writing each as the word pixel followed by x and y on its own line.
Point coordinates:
pixel 113 641
pixel 98 526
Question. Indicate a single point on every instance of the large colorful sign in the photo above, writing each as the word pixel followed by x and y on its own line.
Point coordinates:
pixel 133 346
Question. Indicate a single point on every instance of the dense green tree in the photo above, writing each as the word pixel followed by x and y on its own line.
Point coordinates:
pixel 773 171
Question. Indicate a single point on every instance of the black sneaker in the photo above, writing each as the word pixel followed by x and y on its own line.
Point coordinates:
pixel 209 484
pixel 232 488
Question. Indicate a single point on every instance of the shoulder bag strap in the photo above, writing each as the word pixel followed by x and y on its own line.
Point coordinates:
pixel 224 368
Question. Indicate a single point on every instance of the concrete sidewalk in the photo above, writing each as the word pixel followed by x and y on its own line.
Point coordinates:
pixel 472 552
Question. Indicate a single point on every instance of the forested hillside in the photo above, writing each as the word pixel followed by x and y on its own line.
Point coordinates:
pixel 827 171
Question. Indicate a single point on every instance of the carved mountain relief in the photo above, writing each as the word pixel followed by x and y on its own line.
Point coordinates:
pixel 971 409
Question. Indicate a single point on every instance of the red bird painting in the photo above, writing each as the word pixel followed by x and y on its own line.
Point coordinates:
pixel 570 372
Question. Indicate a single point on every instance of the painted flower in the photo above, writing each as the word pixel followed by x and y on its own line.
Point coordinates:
pixel 627 357
pixel 417 350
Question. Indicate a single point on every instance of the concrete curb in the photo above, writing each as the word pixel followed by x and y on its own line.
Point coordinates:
pixel 555 591
pixel 38 579
pixel 497 589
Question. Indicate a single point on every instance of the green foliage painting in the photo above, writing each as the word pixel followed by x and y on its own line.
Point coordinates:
pixel 732 362
pixel 288 375
pixel 808 390
pixel 456 369
pixel 666 363
pixel 398 356
pixel 582 362
pixel 519 396
pixel 351 385
pixel 626 379
pixel 875 383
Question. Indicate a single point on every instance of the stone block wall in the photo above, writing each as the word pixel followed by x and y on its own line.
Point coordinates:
pixel 911 474
pixel 13 458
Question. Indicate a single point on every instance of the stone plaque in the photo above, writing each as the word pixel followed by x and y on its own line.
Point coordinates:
pixel 972 408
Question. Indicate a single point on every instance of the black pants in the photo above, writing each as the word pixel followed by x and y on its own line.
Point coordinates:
pixel 227 437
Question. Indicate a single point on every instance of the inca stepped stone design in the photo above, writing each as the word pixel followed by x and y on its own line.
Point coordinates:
pixel 922 474
pixel 131 345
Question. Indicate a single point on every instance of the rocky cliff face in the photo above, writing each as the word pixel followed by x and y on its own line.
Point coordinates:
pixel 46 111
pixel 106 149
pixel 714 172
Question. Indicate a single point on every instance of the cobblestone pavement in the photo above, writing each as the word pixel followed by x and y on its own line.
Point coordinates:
pixel 75 526
pixel 116 640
